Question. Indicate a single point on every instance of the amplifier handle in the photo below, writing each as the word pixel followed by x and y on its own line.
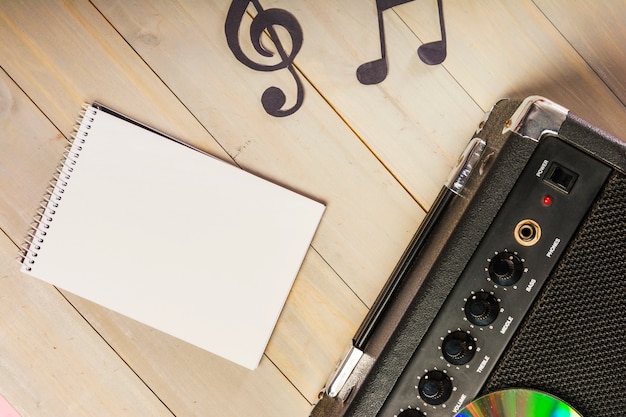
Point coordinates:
pixel 455 183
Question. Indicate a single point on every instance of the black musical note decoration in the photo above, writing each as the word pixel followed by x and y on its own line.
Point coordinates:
pixel 431 53
pixel 273 98
pixel 434 53
pixel 373 72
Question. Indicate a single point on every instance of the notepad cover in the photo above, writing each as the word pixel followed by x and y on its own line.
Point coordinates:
pixel 172 237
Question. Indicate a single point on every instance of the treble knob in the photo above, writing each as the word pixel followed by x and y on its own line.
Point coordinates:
pixel 435 387
pixel 482 308
pixel 506 268
pixel 458 347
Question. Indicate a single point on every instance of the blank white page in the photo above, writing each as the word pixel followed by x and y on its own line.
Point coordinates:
pixel 173 238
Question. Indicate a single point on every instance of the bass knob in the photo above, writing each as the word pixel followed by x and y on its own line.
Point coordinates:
pixel 505 268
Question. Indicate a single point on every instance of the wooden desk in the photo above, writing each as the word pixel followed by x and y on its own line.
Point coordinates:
pixel 375 154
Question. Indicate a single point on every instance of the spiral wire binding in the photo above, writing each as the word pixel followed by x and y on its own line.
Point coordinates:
pixel 54 192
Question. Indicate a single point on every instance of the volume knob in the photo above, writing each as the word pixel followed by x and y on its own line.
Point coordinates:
pixel 411 412
pixel 435 387
pixel 482 308
pixel 505 268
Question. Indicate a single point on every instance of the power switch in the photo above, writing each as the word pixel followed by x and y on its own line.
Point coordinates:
pixel 561 178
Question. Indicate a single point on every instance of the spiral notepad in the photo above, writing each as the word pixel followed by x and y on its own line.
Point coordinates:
pixel 165 234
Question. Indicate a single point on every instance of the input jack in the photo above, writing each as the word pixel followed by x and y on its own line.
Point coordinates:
pixel 527 232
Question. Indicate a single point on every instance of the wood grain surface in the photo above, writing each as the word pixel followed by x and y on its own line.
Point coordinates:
pixel 376 155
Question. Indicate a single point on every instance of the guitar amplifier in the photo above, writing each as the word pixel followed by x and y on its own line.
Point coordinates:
pixel 515 280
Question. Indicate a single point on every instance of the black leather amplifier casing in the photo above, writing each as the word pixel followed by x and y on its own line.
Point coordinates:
pixel 572 342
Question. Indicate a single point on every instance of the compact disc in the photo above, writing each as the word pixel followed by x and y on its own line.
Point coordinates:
pixel 518 403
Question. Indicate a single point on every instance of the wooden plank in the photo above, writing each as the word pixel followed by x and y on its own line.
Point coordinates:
pixel 32 143
pixel 417 121
pixel 315 327
pixel 312 151
pixel 510 49
pixel 64 54
pixel 188 38
pixel 369 220
pixel 317 155
pixel 594 29
pixel 249 391
pixel 31 149
pixel 414 123
pixel 190 380
pixel 52 362
pixel 312 333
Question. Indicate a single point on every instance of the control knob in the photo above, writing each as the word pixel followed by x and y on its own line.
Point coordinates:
pixel 505 268
pixel 435 387
pixel 482 308
pixel 458 347
pixel 411 412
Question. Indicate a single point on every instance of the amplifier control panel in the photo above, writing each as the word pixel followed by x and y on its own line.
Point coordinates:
pixel 500 282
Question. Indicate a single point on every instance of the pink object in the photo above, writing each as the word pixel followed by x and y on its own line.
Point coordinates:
pixel 6 410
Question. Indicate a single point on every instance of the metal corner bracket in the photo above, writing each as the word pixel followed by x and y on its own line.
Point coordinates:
pixel 536 116
pixel 466 163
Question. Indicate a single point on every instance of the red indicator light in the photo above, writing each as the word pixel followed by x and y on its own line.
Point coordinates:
pixel 547 200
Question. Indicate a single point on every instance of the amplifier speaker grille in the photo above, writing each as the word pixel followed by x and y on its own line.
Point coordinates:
pixel 573 342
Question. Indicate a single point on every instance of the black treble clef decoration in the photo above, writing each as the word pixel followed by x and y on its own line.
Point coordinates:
pixel 273 98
